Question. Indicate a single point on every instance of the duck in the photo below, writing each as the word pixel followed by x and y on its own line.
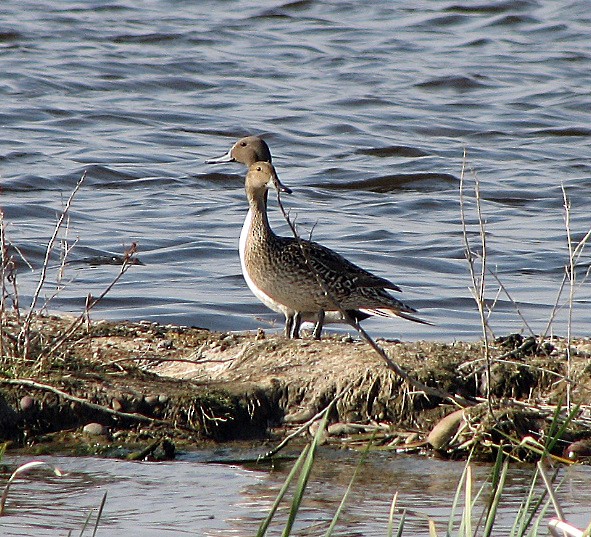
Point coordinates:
pixel 302 279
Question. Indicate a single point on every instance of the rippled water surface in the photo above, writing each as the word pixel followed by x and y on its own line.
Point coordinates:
pixel 193 496
pixel 367 107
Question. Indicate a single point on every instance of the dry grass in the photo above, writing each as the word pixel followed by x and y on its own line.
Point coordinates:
pixel 22 346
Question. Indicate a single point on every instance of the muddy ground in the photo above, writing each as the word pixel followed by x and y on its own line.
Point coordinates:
pixel 143 388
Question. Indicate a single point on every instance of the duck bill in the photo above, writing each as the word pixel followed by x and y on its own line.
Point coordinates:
pixel 280 186
pixel 220 160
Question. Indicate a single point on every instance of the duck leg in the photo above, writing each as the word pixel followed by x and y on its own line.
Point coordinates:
pixel 318 326
pixel 288 325
pixel 292 325
pixel 296 323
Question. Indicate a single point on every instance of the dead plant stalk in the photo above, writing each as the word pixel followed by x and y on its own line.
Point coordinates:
pixel 26 327
pixel 91 302
pixel 574 254
pixel 478 279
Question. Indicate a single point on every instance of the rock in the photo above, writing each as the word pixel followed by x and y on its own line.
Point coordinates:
pixel 166 344
pixel 445 429
pixel 27 403
pixel 151 400
pixel 299 417
pixel 94 429
pixel 343 429
pixel 117 405
pixel 581 449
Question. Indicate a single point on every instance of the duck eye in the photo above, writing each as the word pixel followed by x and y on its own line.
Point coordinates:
pixel 259 169
pixel 243 144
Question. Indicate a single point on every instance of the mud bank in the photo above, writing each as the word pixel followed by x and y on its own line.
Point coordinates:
pixel 119 387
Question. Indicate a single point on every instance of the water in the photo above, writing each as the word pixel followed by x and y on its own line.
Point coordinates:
pixel 193 497
pixel 367 108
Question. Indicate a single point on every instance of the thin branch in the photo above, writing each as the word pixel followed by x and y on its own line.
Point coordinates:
pixel 25 331
pixel 128 261
pixel 94 406
pixel 508 295
pixel 478 283
pixel 570 271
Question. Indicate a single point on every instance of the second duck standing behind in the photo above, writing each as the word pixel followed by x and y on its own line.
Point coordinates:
pixel 278 272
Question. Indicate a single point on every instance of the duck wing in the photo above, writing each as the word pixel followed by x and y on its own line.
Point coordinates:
pixel 333 267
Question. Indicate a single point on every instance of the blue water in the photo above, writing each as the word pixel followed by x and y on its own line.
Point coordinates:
pixel 367 107
pixel 197 495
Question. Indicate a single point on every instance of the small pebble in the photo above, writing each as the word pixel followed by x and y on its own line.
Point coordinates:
pixel 117 405
pixel 343 429
pixel 27 403
pixel 166 344
pixel 94 429
pixel 152 400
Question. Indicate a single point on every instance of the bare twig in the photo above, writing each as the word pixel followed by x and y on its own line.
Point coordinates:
pixel 515 305
pixel 94 406
pixel 128 261
pixel 25 330
pixel 478 281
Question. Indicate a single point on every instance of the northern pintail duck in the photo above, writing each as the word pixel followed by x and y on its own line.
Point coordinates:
pixel 247 151
pixel 278 272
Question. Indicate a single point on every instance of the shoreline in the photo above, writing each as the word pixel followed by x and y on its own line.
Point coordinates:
pixel 140 389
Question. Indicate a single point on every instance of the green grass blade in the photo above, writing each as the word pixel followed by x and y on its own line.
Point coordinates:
pixel 296 468
pixel 535 529
pixel 468 503
pixel 99 514
pixel 456 499
pixel 304 476
pixel 86 522
pixel 555 435
pixel 22 469
pixel 531 507
pixel 494 482
pixel 401 525
pixel 391 515
pixel 432 529
pixel 492 511
pixel 550 491
pixel 361 462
